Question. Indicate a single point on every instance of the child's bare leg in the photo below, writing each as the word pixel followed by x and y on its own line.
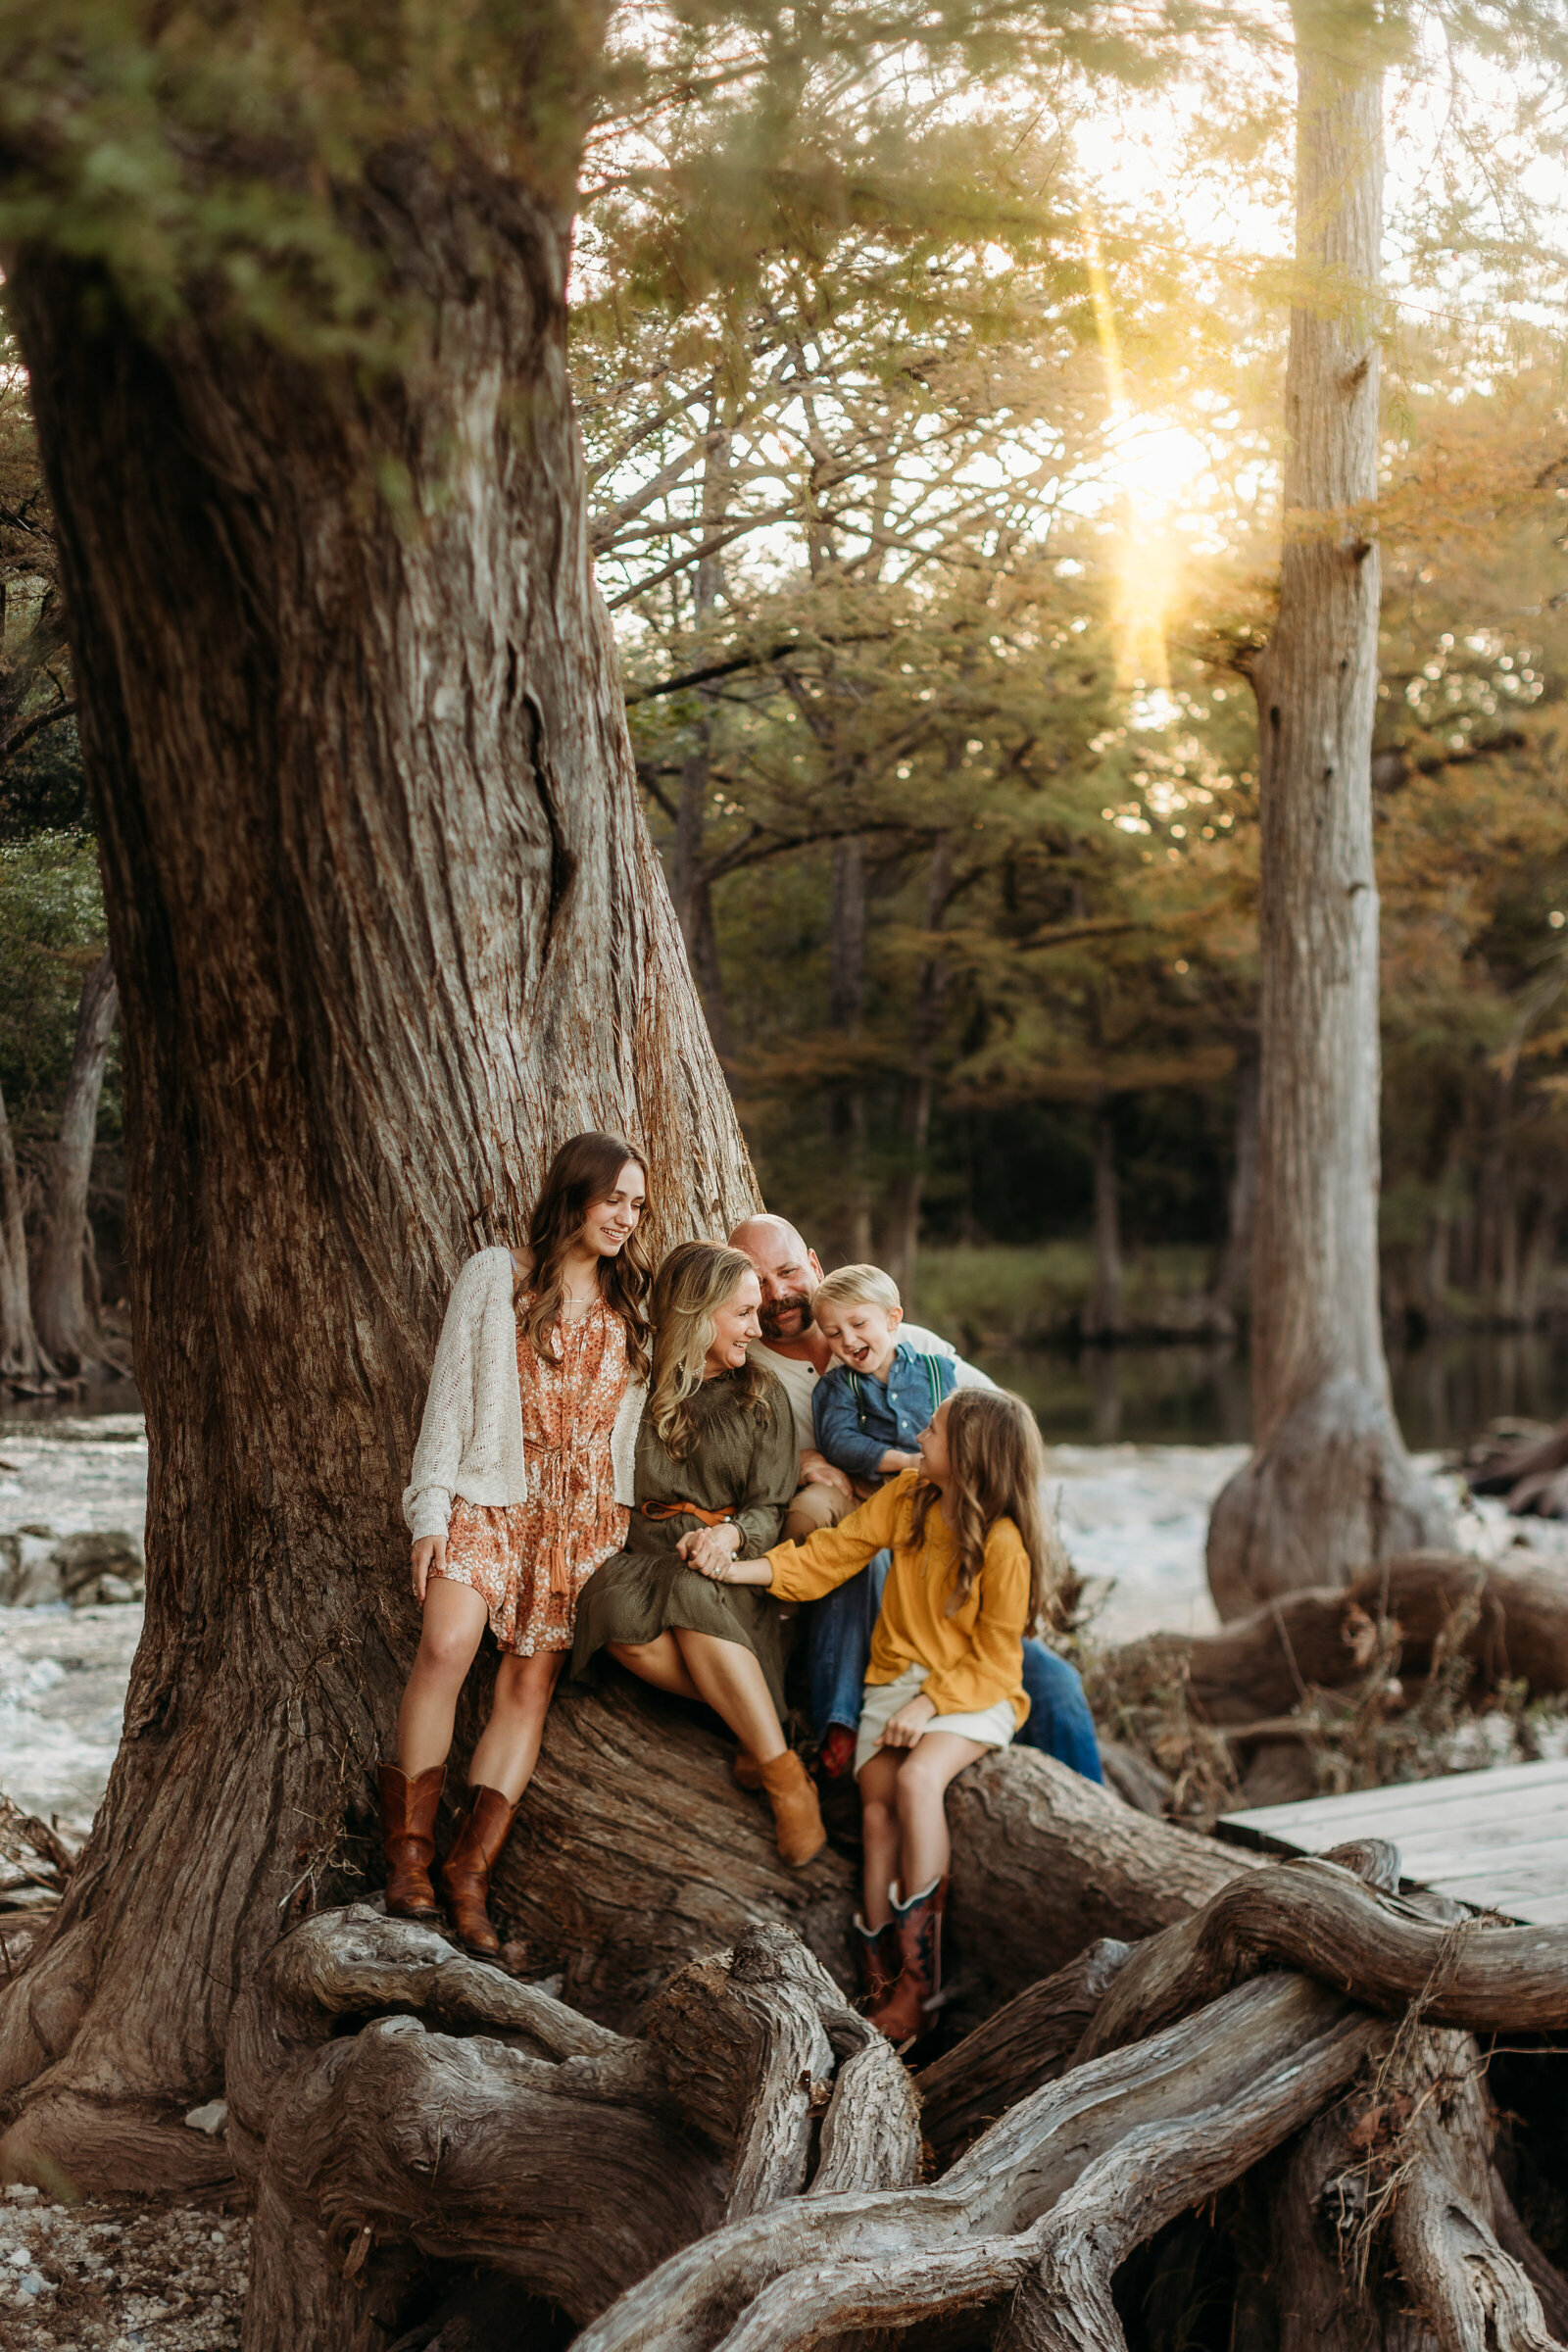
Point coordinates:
pixel 879 1832
pixel 658 1662
pixel 924 1847
pixel 449 1639
pixel 728 1677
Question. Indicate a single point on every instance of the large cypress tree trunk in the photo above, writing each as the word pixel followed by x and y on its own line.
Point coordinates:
pixel 1330 1488
pixel 387 926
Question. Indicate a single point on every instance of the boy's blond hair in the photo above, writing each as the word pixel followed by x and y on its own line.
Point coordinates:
pixel 856 1286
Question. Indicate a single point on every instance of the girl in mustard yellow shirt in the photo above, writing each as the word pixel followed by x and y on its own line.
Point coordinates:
pixel 946 1676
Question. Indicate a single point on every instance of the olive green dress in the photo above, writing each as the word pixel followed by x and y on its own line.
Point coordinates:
pixel 743 1462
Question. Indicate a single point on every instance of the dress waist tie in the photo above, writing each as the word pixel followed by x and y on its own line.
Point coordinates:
pixel 552 1463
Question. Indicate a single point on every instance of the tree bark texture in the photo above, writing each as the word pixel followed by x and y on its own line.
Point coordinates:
pixel 67 1326
pixel 388 927
pixel 21 1359
pixel 1330 1489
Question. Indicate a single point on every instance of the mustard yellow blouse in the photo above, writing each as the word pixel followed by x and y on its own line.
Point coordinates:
pixel 974 1658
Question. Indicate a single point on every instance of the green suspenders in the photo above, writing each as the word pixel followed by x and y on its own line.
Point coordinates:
pixel 933 1380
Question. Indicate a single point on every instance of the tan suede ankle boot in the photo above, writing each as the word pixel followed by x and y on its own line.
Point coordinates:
pixel 797 1814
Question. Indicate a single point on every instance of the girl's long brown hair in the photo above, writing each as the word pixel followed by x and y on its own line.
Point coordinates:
pixel 999 1472
pixel 692 1282
pixel 584 1170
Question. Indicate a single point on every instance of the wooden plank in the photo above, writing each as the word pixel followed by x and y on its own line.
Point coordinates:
pixel 1432 1847
pixel 1494 1840
pixel 1317 1821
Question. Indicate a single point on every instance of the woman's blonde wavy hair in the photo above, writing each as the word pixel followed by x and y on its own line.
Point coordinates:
pixel 689 1288
pixel 999 1472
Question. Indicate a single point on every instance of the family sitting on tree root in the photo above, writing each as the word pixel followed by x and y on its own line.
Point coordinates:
pixel 616 1463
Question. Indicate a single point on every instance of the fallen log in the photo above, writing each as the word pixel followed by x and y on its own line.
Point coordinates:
pixel 1264 1664
pixel 1530 1476
pixel 1044 1864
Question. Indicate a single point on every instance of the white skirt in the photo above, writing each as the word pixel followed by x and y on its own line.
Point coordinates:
pixel 991 1727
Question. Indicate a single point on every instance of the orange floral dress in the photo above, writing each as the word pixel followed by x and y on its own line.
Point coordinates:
pixel 528 1561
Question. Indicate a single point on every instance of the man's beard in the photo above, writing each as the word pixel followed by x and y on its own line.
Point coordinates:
pixel 771 1317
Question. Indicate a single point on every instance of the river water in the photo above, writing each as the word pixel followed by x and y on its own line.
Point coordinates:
pixel 1445 1392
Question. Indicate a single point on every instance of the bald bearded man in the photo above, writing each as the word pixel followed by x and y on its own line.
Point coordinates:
pixel 796 1355
pixel 839 1629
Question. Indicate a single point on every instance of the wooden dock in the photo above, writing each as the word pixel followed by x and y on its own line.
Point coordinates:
pixel 1496 1840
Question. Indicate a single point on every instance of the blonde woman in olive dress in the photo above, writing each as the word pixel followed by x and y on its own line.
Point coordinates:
pixel 717 1462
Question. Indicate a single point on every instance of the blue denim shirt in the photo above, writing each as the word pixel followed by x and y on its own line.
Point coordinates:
pixel 857 1419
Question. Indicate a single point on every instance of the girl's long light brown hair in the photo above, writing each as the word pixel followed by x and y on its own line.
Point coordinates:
pixel 584 1170
pixel 999 1472
pixel 689 1288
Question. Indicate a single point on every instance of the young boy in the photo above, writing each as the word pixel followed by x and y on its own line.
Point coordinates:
pixel 872 1403
pixel 868 1409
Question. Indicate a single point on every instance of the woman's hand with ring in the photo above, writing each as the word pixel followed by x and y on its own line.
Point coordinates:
pixel 707 1547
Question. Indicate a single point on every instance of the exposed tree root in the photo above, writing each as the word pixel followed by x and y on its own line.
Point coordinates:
pixel 472 2119
pixel 1027 2043
pixel 741 2176
pixel 1318 1916
pixel 1233 2080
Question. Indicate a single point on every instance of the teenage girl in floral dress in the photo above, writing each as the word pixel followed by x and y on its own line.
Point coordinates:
pixel 519 1487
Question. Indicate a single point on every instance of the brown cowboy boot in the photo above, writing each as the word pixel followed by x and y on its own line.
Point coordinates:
pixel 408 1837
pixel 880 1959
pixel 906 2014
pixel 482 1830
pixel 797 1814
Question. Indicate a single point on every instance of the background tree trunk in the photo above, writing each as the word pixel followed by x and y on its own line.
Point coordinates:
pixel 1330 1488
pixel 1103 1316
pixel 850 1226
pixel 388 926
pixel 21 1359
pixel 1233 1284
pixel 66 1327
pixel 919 1084
pixel 688 879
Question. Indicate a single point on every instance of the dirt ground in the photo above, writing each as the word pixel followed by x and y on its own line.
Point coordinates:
pixel 120 2274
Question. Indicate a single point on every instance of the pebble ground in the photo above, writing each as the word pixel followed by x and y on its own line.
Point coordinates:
pixel 120 2274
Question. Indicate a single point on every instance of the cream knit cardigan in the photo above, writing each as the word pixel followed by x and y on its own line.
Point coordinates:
pixel 471 1439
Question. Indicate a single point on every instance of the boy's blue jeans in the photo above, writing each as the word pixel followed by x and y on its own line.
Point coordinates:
pixel 838 1650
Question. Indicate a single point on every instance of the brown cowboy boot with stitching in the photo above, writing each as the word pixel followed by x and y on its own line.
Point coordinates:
pixel 408 1838
pixel 880 1959
pixel 906 2014
pixel 483 1827
pixel 797 1814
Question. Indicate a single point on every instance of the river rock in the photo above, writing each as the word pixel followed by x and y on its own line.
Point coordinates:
pixel 29 1572
pixel 83 1561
